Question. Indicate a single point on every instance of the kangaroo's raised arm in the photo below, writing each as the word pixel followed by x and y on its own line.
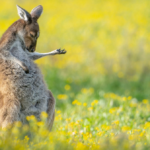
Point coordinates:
pixel 36 55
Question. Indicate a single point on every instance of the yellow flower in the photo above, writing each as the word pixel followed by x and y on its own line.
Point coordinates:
pixel 94 102
pixel 136 130
pixel 26 138
pixel 143 133
pixel 62 96
pixel 145 101
pixel 84 104
pixel 18 124
pixel 112 134
pixel 147 125
pixel 101 133
pixel 74 102
pixel 30 117
pixel 116 122
pixel 106 127
pixel 113 110
pixel 129 97
pixel 84 90
pixel 96 128
pixel 124 98
pixel 68 119
pixel 44 114
pixel 133 104
pixel 40 123
pixel 58 111
pixel 90 108
pixel 67 87
pixel 79 103
pixel 126 128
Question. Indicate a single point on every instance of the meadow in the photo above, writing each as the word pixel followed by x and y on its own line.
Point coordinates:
pixel 101 84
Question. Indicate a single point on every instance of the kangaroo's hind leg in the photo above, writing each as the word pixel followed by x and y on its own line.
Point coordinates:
pixel 9 113
pixel 50 111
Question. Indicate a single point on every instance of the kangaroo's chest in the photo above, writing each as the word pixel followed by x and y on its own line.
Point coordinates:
pixel 30 88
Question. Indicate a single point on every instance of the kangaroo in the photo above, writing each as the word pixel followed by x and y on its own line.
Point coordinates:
pixel 23 91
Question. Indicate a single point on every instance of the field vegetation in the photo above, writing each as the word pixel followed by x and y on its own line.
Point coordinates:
pixel 101 84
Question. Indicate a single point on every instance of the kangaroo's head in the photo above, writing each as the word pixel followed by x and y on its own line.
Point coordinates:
pixel 28 30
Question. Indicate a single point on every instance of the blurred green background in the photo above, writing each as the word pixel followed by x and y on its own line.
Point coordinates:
pixel 107 43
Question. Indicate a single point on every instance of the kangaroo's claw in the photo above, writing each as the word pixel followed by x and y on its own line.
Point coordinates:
pixel 61 51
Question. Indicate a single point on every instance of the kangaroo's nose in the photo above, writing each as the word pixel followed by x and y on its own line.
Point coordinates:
pixel 32 50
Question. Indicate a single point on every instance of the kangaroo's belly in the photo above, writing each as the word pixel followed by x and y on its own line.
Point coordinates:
pixel 29 89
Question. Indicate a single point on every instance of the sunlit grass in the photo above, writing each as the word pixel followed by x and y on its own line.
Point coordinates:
pixel 108 48
pixel 111 122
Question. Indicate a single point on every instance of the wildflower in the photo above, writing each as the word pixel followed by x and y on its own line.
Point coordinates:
pixel 62 96
pixel 124 98
pixel 132 137
pixel 18 124
pixel 112 134
pixel 67 87
pixel 84 90
pixel 40 123
pixel 101 133
pixel 68 119
pixel 74 102
pixel 132 104
pixel 129 97
pixel 106 127
pixel 30 118
pixel 79 103
pixel 96 128
pixel 143 133
pixel 113 110
pixel 84 104
pixel 94 102
pixel 145 101
pixel 44 114
pixel 126 128
pixel 58 111
pixel 136 130
pixel 147 125
pixel 116 122
pixel 26 139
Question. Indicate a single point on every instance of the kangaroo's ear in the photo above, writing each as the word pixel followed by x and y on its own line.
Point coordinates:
pixel 23 14
pixel 36 12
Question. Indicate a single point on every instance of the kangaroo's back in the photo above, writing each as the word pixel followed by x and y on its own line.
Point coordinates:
pixel 22 93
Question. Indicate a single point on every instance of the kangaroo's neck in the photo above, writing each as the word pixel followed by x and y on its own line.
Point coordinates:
pixel 11 36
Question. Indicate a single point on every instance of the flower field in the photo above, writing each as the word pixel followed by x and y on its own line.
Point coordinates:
pixel 101 84
pixel 111 122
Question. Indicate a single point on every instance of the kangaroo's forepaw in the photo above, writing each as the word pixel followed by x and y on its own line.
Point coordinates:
pixel 61 51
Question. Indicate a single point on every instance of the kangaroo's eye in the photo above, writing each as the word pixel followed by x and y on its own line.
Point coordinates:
pixel 31 35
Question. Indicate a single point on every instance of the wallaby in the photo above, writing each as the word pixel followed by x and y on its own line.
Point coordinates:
pixel 23 91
